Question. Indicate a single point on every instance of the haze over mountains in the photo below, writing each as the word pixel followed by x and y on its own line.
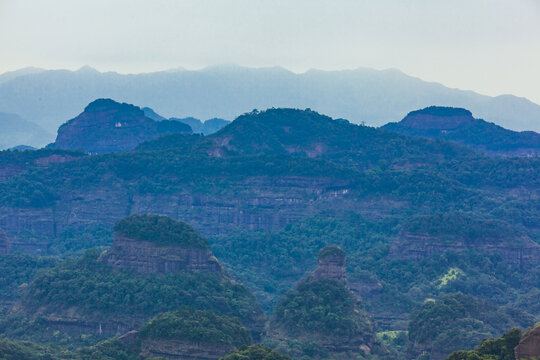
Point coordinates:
pixel 376 97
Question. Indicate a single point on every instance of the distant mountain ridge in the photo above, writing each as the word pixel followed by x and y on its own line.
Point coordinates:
pixel 459 126
pixel 207 127
pixel 362 95
pixel 15 131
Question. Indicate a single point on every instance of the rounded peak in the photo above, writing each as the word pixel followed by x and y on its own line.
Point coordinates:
pixel 161 230
pixel 104 104
pixel 441 111
pixel 87 69
pixel 331 252
pixel 201 326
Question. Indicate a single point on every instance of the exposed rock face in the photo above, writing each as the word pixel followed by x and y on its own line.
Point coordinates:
pixel 419 246
pixel 174 349
pixel 260 203
pixel 529 345
pixel 183 350
pixel 5 247
pixel 107 126
pixel 148 257
pixel 331 265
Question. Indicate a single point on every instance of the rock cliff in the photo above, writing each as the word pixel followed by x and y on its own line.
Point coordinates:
pixel 529 345
pixel 183 350
pixel 419 246
pixel 321 310
pixel 158 244
pixel 260 203
pixel 331 265
pixel 148 257
pixel 107 126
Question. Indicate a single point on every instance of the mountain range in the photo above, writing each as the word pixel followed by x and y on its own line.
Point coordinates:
pixel 16 131
pixel 441 235
pixel 374 97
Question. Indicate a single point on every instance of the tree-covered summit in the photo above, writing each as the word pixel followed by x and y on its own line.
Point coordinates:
pixel 441 111
pixel 331 251
pixel 160 230
pixel 200 326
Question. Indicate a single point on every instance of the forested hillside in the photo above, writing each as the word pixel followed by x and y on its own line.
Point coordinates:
pixel 442 242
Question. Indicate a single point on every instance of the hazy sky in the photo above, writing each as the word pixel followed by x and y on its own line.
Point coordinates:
pixel 490 46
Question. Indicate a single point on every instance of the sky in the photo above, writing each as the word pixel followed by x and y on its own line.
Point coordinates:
pixel 489 46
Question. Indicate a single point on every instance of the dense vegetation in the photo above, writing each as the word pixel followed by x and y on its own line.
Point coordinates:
pixel 255 352
pixel 271 262
pixel 160 230
pixel 100 292
pixel 18 270
pixel 452 226
pixel 77 239
pixel 200 326
pixel 458 321
pixel 501 348
pixel 393 183
pixel 321 307
pixel 31 157
pixel 25 350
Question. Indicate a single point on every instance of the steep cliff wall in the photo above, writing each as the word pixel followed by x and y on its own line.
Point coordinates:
pixel 148 257
pixel 529 345
pixel 183 350
pixel 258 203
pixel 331 265
pixel 419 246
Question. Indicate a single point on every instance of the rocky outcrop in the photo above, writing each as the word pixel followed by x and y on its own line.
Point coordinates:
pixel 159 244
pixel 149 257
pixel 529 345
pixel 173 349
pixel 419 246
pixel 183 350
pixel 331 265
pixel 107 126
pixel 323 292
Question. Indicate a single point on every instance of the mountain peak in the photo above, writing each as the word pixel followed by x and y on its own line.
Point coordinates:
pixel 438 117
pixel 458 125
pixel 331 264
pixel 109 104
pixel 107 126
pixel 87 69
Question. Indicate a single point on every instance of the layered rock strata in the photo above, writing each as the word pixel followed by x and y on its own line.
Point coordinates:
pixel 529 345
pixel 331 265
pixel 149 257
pixel 419 246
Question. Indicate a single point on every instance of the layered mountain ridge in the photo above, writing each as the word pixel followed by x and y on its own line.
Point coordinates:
pixel 362 95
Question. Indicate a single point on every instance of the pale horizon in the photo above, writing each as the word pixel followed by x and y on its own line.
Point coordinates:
pixel 487 46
